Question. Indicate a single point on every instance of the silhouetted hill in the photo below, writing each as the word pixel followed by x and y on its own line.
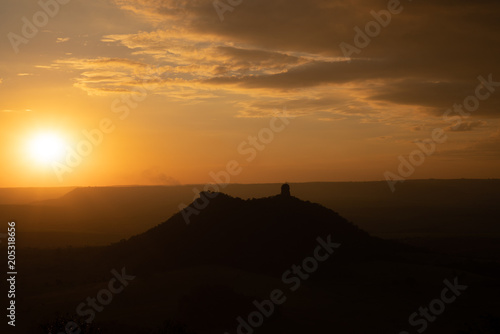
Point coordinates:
pixel 265 234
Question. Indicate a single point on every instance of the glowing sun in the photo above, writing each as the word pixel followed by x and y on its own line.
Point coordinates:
pixel 46 147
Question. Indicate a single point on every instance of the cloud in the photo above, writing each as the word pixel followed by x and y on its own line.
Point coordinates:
pixel 62 39
pixel 290 50
pixel 101 76
pixel 319 27
pixel 436 96
pixel 467 126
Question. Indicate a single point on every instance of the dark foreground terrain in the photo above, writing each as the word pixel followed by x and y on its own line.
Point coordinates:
pixel 276 264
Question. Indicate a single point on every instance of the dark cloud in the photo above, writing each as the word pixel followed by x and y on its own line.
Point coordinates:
pixel 467 126
pixel 438 97
pixel 429 55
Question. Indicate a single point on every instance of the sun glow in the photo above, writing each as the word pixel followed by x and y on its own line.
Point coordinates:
pixel 46 147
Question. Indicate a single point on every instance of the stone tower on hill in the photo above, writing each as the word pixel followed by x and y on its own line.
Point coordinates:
pixel 285 190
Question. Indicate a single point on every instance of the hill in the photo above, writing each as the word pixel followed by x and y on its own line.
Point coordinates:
pixel 255 233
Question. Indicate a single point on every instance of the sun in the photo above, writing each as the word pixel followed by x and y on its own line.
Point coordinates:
pixel 46 147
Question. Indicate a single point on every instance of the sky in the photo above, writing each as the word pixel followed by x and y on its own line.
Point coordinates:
pixel 119 92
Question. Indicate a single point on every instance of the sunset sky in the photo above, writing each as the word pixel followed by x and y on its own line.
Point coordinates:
pixel 179 86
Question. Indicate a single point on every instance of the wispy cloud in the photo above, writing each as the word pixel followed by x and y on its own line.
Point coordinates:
pixel 467 126
pixel 62 39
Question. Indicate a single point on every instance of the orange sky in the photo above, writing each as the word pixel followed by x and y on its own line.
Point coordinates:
pixel 179 93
